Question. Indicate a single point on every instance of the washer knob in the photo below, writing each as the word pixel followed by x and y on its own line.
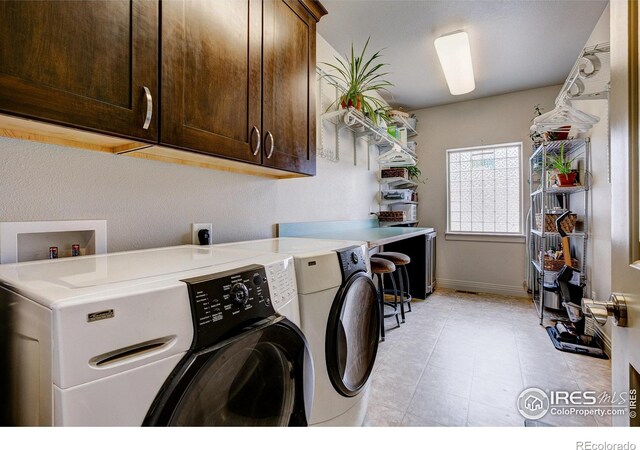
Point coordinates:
pixel 239 294
pixel 354 257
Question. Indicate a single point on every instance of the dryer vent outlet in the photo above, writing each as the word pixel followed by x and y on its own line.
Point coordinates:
pixel 201 234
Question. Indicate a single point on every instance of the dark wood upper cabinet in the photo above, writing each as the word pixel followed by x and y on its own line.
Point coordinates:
pixel 237 80
pixel 84 64
pixel 174 80
pixel 288 108
pixel 211 77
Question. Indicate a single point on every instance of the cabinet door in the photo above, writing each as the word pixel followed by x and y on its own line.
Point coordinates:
pixel 211 76
pixel 288 108
pixel 81 63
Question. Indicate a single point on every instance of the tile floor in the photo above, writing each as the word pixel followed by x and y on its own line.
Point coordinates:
pixel 462 360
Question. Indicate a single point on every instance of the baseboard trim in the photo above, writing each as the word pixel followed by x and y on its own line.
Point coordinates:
pixel 475 286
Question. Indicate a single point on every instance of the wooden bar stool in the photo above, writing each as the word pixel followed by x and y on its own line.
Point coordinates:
pixel 400 260
pixel 379 267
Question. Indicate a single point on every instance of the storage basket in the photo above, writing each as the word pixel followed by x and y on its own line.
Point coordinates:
pixel 568 225
pixel 394 172
pixel 555 265
pixel 401 114
pixel 410 211
pixel 391 216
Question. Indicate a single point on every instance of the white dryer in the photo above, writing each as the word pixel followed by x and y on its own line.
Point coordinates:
pixel 340 318
pixel 175 336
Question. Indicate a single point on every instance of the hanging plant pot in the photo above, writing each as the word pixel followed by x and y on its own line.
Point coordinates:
pixel 563 132
pixel 559 134
pixel 346 101
pixel 567 180
pixel 351 102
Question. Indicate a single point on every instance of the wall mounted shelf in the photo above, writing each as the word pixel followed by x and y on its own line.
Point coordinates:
pixel 398 183
pixel 364 128
pixel 395 224
pixel 590 76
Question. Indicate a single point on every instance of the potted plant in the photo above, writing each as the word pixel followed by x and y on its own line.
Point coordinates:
pixel 357 78
pixel 381 117
pixel 536 136
pixel 565 175
pixel 415 174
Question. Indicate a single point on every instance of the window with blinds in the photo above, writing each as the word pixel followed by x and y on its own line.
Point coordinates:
pixel 484 193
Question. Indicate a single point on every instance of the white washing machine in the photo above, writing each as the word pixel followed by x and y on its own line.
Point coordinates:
pixel 340 317
pixel 174 336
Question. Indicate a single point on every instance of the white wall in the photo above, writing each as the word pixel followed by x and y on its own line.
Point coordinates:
pixel 151 204
pixel 496 267
pixel 599 244
pixel 499 267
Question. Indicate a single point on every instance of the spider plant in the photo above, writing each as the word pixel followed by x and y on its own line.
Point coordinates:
pixel 358 78
pixel 415 174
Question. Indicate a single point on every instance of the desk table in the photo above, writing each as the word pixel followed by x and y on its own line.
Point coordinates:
pixel 417 243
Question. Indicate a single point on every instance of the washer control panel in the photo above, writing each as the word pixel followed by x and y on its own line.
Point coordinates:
pixel 226 301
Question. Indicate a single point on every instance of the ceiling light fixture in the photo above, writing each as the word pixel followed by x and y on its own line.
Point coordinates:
pixel 454 53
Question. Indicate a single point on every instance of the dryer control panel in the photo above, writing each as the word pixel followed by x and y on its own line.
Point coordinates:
pixel 352 260
pixel 282 280
pixel 224 302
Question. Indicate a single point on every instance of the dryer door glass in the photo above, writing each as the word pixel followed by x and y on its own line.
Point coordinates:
pixel 352 335
pixel 254 380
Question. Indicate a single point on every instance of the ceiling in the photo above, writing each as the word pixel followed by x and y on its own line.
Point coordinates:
pixel 515 44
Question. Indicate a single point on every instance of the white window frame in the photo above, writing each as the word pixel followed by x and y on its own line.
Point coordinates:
pixel 484 236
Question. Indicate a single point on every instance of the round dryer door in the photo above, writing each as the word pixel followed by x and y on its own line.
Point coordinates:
pixel 353 331
pixel 255 379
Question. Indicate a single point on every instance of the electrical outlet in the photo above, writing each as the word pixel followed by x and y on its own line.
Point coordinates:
pixel 196 227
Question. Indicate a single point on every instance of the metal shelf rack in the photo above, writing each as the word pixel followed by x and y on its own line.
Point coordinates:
pixel 543 197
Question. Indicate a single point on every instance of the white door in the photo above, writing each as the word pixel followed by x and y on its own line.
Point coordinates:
pixel 625 235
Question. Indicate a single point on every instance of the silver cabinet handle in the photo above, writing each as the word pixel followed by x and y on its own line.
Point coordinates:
pixel 271 147
pixel 147 118
pixel 257 132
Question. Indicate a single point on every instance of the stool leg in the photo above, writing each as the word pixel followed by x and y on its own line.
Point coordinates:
pixel 395 297
pixel 406 280
pixel 400 277
pixel 381 301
